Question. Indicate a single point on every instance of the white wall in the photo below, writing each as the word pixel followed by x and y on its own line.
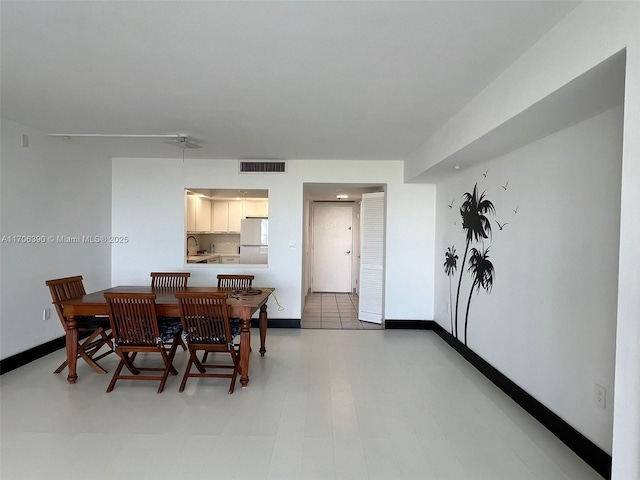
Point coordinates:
pixel 49 188
pixel 549 321
pixel 148 208
pixel 591 33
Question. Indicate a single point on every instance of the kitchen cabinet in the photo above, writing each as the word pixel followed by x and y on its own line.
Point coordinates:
pixel 220 216
pixel 230 259
pixel 204 258
pixel 235 215
pixel 227 216
pixel 255 208
pixel 203 215
pixel 198 214
pixel 191 213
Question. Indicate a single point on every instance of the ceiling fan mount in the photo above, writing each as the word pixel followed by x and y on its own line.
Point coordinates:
pixel 180 140
pixel 183 142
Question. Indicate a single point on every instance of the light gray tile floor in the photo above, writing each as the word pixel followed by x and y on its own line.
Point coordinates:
pixel 321 404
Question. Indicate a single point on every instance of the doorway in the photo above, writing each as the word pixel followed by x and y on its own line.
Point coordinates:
pixel 332 247
pixel 328 309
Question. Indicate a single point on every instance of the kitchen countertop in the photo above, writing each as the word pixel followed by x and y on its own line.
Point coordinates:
pixel 202 257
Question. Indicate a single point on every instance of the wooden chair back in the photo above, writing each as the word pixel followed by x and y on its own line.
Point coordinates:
pixel 205 318
pixel 99 336
pixel 205 326
pixel 235 282
pixel 65 289
pixel 169 279
pixel 133 318
pixel 136 330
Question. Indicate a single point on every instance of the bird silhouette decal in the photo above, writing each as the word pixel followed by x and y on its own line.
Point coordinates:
pixel 515 210
pixel 451 204
pixel 485 173
pixel 505 186
pixel 501 226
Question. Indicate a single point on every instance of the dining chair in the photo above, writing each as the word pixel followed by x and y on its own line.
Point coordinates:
pixel 136 330
pixel 232 282
pixel 169 279
pixel 206 327
pixel 236 282
pixel 95 332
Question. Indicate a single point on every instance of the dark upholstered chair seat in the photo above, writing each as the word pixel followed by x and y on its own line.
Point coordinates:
pixel 170 327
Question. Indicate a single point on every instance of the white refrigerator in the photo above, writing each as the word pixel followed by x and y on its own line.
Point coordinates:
pixel 254 240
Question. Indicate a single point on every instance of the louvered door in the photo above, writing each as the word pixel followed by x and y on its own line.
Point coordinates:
pixel 372 257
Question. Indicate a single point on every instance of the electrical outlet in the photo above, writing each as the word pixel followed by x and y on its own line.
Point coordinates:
pixel 600 396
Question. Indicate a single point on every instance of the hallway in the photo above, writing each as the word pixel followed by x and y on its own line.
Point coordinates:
pixel 334 311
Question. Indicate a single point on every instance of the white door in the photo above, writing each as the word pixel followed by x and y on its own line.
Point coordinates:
pixel 371 257
pixel 332 248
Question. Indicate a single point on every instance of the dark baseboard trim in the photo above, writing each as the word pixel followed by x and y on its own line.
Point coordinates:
pixel 593 455
pixel 20 359
pixel 410 324
pixel 278 323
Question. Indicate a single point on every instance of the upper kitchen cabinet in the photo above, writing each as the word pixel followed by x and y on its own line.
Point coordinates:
pixel 191 212
pixel 235 215
pixel 211 210
pixel 255 208
pixel 227 216
pixel 198 213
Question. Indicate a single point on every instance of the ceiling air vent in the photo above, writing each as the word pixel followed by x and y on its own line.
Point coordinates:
pixel 263 166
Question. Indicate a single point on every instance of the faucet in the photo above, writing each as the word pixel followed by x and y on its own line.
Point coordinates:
pixel 194 239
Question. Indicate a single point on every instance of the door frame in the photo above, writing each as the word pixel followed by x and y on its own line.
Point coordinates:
pixel 326 191
pixel 355 230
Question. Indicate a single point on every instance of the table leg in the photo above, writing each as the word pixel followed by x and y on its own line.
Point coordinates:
pixel 263 328
pixel 72 349
pixel 245 349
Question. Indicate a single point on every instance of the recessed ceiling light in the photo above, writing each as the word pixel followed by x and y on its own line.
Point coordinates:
pixel 342 196
pixel 457 167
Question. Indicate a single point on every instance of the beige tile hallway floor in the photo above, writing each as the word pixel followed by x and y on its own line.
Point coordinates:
pixel 321 404
pixel 334 311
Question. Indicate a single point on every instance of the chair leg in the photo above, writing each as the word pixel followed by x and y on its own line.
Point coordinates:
pixel 186 375
pixel 168 360
pixel 128 362
pixel 62 366
pixel 92 363
pixel 116 374
pixel 86 351
pixel 236 366
pixel 107 339
pixel 206 354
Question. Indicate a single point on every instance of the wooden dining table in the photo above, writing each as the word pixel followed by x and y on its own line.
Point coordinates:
pixel 241 305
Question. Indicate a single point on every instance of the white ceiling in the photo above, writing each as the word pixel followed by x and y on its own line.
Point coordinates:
pixel 288 80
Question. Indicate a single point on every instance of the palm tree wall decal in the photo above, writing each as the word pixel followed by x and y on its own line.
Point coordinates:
pixel 450 265
pixel 483 273
pixel 474 212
